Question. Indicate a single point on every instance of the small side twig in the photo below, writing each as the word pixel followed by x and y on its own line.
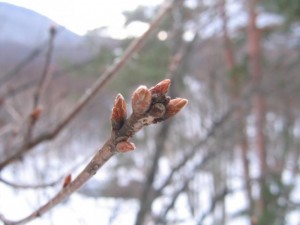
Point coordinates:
pixel 215 200
pixel 29 186
pixel 149 106
pixel 190 153
pixel 45 71
pixel 36 110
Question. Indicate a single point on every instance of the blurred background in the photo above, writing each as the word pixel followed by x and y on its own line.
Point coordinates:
pixel 230 157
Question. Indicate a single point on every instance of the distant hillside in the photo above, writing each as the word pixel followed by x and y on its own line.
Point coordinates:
pixel 26 27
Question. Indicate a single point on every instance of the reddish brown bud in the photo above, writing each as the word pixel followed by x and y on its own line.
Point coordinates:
pixel 36 113
pixel 141 100
pixel 67 180
pixel 161 88
pixel 119 112
pixel 174 106
pixel 125 146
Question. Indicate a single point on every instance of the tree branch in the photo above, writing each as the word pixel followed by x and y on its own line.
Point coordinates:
pixel 29 186
pixel 149 106
pixel 36 110
pixel 90 93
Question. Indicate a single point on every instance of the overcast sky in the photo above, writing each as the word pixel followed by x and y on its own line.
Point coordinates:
pixel 80 16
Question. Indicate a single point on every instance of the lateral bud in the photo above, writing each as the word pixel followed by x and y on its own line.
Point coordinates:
pixel 36 113
pixel 174 106
pixel 141 100
pixel 125 146
pixel 67 180
pixel 119 112
pixel 161 88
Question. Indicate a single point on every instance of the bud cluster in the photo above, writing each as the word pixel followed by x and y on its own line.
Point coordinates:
pixel 148 106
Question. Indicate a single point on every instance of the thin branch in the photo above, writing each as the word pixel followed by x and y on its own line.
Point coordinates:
pixel 45 72
pixel 162 219
pixel 149 106
pixel 35 114
pixel 212 131
pixel 184 184
pixel 30 186
pixel 216 199
pixel 90 93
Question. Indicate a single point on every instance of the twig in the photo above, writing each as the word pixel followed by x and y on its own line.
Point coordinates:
pixel 212 131
pixel 90 93
pixel 45 72
pixel 30 186
pixel 36 111
pixel 149 106
pixel 184 184
pixel 217 198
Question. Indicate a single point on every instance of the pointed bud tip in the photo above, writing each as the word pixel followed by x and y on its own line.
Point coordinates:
pixel 142 87
pixel 119 97
pixel 67 181
pixel 161 88
pixel 175 105
pixel 141 100
pixel 182 102
pixel 119 112
pixel 125 146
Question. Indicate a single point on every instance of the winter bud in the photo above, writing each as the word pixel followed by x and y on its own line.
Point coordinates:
pixel 161 88
pixel 67 180
pixel 174 106
pixel 141 100
pixel 125 146
pixel 36 113
pixel 119 112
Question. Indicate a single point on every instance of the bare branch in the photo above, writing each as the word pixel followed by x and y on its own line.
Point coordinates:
pixel 45 72
pixel 215 200
pixel 36 110
pixel 90 93
pixel 212 131
pixel 29 186
pixel 119 134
